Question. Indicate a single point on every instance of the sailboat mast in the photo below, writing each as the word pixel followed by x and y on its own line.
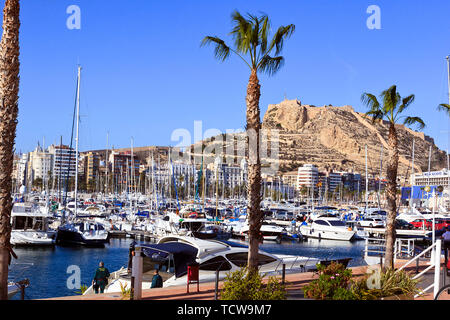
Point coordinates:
pixel 76 140
pixel 367 180
pixel 412 177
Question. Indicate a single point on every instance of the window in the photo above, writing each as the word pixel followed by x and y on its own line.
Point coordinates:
pixel 321 222
pixel 240 259
pixel 337 223
pixel 216 263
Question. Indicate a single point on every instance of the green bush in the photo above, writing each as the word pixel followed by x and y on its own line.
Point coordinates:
pixel 333 283
pixel 392 283
pixel 245 285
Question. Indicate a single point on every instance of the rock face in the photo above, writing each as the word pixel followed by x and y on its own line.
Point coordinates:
pixel 332 138
pixel 335 138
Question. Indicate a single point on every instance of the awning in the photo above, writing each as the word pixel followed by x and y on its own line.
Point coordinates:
pixel 182 253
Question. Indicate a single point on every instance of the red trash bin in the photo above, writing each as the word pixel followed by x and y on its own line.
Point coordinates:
pixel 192 275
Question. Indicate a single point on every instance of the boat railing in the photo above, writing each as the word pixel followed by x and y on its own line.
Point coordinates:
pixel 376 247
pixel 405 248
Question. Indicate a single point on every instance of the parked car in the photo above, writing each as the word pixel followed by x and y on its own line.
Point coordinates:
pixel 439 223
pixel 371 223
pixel 402 224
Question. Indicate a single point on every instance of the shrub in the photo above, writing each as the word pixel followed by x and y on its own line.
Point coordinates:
pixel 333 283
pixel 245 285
pixel 392 283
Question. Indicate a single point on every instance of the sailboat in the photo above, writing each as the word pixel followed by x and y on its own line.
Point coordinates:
pixel 86 233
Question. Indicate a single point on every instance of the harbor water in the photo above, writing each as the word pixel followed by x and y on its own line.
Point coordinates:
pixel 52 271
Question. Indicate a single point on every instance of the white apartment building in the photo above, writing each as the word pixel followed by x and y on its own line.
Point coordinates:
pixel 64 162
pixel 40 163
pixel 230 176
pixel 22 165
pixel 308 176
pixel 434 178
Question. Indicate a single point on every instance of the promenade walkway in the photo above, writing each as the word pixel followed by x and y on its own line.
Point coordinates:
pixel 295 283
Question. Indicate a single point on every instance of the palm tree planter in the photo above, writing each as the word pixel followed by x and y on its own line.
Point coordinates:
pixel 9 92
pixel 252 45
pixel 391 109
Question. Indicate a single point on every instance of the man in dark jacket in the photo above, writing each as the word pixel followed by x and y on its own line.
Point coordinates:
pixel 100 278
pixel 157 281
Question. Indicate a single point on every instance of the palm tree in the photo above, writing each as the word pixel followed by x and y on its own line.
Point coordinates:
pixel 9 96
pixel 444 107
pixel 391 109
pixel 259 54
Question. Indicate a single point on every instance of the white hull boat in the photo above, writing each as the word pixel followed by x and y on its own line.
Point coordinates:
pixel 328 228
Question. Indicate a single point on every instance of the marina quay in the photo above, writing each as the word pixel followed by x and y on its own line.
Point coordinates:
pixel 225 160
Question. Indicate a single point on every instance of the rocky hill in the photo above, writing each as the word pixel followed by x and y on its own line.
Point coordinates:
pixel 333 138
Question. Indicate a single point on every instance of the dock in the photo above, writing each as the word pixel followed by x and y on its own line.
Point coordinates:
pixel 295 283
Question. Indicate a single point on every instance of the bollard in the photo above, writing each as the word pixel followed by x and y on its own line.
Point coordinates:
pixel 283 275
pixel 216 289
pixel 132 289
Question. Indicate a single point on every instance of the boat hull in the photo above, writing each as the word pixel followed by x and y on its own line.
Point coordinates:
pixel 310 232
pixel 68 237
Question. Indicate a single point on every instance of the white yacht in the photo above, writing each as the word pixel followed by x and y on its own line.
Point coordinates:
pixel 269 231
pixel 30 226
pixel 327 228
pixel 172 255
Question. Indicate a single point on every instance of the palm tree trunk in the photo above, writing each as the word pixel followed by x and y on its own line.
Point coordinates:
pixel 254 169
pixel 9 91
pixel 391 195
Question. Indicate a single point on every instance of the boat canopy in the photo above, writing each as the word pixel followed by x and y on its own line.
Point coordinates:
pixel 183 254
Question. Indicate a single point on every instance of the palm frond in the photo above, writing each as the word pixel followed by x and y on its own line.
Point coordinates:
pixel 221 50
pixel 391 98
pixel 283 32
pixel 410 121
pixel 264 33
pixel 270 65
pixel 444 107
pixel 370 101
pixel 405 103
pixel 241 32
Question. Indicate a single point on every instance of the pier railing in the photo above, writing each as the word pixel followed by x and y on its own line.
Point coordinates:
pixel 374 253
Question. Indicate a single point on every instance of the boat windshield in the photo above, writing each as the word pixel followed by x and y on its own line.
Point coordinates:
pixel 336 223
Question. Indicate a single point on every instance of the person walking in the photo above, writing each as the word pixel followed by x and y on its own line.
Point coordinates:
pixel 100 278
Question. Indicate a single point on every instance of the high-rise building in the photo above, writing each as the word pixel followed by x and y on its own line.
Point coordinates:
pixel 64 163
pixel 91 166
pixel 308 176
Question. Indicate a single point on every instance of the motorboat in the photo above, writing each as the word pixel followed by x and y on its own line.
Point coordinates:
pixel 271 232
pixel 327 227
pixel 30 226
pixel 84 232
pixel 172 255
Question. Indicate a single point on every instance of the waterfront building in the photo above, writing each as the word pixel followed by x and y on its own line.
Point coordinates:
pixel 432 178
pixel 307 176
pixel 21 172
pixel 91 167
pixel 125 170
pixel 227 176
pixel 40 164
pixel 334 180
pixel 64 162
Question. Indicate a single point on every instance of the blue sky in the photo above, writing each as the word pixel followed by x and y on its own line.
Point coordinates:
pixel 145 74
